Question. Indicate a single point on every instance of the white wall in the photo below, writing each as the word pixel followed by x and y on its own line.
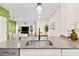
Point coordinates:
pixel 65 17
pixel 3 29
pixel 69 16
pixel 41 24
pixel 55 17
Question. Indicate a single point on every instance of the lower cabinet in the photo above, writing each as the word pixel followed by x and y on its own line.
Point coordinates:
pixel 49 52
pixel 40 52
pixel 70 52
pixel 9 52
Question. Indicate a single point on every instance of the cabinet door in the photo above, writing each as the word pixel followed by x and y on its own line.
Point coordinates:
pixel 9 52
pixel 40 52
pixel 70 52
pixel 3 29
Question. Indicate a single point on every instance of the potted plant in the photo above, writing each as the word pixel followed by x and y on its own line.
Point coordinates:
pixel 46 28
pixel 73 35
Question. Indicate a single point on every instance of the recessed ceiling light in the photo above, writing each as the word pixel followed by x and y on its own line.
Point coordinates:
pixel 39 17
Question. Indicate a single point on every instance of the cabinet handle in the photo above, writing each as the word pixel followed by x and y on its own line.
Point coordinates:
pixel 5 52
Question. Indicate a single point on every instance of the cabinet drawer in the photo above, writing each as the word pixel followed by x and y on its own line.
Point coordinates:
pixel 40 52
pixel 70 52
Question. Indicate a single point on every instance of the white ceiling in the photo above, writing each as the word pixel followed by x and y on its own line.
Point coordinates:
pixel 27 11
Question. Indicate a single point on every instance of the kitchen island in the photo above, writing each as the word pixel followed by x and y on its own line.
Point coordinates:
pixel 57 42
pixel 61 46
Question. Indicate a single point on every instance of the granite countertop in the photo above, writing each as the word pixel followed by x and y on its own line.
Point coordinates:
pixel 58 42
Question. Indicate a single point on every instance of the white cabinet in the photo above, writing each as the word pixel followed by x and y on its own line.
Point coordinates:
pixel 70 52
pixel 3 29
pixel 40 52
pixel 49 52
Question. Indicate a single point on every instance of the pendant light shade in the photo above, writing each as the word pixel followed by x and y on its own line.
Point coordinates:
pixel 39 8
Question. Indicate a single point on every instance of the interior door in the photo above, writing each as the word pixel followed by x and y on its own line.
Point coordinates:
pixel 3 29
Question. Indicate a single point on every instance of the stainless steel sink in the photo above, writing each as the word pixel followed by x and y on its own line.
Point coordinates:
pixel 39 43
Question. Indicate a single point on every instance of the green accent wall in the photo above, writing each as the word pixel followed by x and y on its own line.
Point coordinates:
pixel 11 28
pixel 11 25
pixel 4 12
